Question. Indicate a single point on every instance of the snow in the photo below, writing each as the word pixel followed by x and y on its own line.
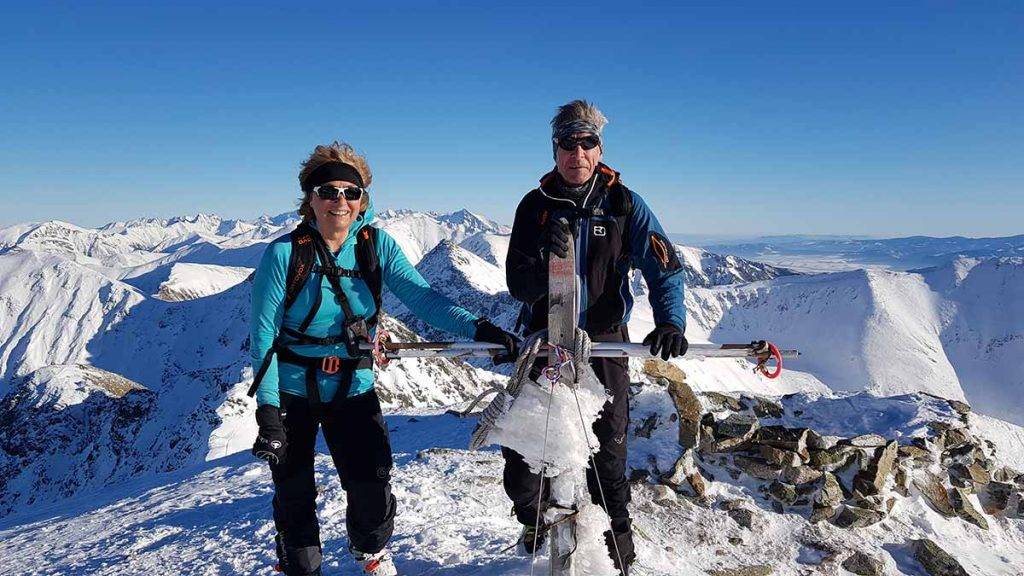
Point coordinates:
pixel 563 414
pixel 214 518
pixel 125 429
pixel 190 281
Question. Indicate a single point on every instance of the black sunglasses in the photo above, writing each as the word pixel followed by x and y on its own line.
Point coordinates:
pixel 328 192
pixel 569 143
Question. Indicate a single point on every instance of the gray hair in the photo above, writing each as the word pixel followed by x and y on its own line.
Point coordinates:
pixel 577 116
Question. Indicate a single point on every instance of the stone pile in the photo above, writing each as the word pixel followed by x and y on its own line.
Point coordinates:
pixel 850 482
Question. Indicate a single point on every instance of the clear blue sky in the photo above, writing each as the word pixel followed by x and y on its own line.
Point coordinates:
pixel 750 119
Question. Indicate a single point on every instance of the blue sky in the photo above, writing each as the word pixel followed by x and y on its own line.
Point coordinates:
pixel 763 118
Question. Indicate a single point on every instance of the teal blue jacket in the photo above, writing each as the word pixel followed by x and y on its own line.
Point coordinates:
pixel 268 313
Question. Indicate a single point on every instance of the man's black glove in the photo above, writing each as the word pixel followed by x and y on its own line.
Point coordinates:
pixel 667 340
pixel 272 443
pixel 487 332
pixel 555 238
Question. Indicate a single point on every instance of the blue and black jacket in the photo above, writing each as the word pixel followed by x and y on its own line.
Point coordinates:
pixel 269 314
pixel 615 232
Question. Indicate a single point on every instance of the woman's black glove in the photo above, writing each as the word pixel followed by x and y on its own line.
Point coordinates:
pixel 667 340
pixel 555 238
pixel 487 332
pixel 272 443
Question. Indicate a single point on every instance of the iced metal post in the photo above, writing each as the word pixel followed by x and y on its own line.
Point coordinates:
pixel 563 318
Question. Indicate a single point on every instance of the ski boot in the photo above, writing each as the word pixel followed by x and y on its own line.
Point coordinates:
pixel 533 537
pixel 379 564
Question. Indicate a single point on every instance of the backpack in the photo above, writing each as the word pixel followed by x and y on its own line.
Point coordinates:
pixel 311 255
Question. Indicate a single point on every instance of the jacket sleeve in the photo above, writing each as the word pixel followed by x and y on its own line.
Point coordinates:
pixel 525 271
pixel 409 286
pixel 656 258
pixel 268 291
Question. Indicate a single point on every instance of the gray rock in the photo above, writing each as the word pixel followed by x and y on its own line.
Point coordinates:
pixel 756 467
pixel 655 368
pixel 816 441
pixel 959 407
pixel 1005 474
pixel 737 426
pixel 902 480
pixel 912 452
pixel 687 405
pixel 784 493
pixel 935 560
pixel 855 517
pixel 878 502
pixel 956 437
pixel 831 459
pixel 742 516
pixel 779 457
pixel 722 401
pixel 966 510
pixel 995 497
pixel 871 480
pixel 864 565
pixel 677 475
pixel 864 441
pixel 935 492
pixel 830 494
pixel 800 475
pixel 663 495
pixel 697 483
pixel 763 407
pixel 791 439
pixel 974 473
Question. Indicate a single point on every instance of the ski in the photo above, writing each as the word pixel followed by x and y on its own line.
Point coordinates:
pixel 563 319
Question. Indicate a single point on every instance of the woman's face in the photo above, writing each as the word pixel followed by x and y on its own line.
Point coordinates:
pixel 341 212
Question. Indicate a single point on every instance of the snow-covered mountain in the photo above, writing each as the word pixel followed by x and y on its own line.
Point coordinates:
pixel 419 232
pixel 124 360
pixel 980 322
pixel 835 253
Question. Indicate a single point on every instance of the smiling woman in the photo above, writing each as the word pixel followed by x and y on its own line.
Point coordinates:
pixel 321 158
pixel 315 300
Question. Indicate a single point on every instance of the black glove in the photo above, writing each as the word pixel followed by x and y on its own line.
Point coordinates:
pixel 667 340
pixel 272 443
pixel 487 332
pixel 555 238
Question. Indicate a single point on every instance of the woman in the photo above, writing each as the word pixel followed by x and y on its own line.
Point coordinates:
pixel 315 297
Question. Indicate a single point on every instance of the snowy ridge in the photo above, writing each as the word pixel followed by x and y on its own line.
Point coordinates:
pixel 417 233
pixel 465 278
pixel 124 426
pixel 808 252
pixel 981 320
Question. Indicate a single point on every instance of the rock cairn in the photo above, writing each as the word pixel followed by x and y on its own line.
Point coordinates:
pixel 850 482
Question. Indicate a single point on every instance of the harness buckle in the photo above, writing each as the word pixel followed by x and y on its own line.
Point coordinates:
pixel 330 364
pixel 357 330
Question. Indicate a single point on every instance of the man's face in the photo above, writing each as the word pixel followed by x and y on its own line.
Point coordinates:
pixel 576 166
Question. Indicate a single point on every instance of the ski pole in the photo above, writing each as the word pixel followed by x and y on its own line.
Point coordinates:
pixel 395 350
pixel 385 350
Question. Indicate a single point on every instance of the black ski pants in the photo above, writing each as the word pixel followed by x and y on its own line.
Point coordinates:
pixel 607 473
pixel 357 437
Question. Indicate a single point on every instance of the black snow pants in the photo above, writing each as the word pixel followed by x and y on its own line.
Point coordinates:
pixel 523 487
pixel 357 437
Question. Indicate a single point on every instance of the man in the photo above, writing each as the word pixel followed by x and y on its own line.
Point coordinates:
pixel 585 201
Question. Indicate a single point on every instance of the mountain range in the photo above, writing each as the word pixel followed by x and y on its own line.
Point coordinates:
pixel 124 348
